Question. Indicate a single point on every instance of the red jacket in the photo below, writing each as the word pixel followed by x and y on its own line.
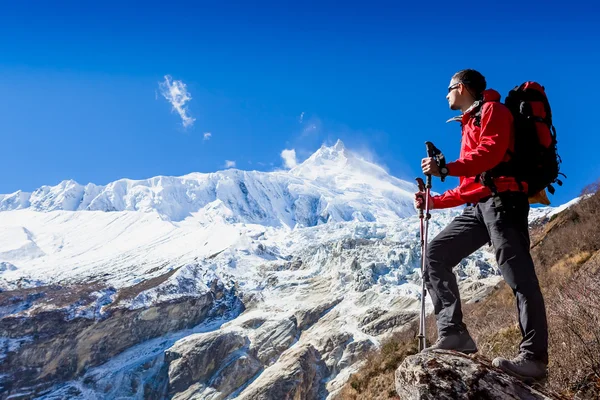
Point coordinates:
pixel 481 149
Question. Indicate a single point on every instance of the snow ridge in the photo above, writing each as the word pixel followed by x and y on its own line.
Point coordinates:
pixel 333 185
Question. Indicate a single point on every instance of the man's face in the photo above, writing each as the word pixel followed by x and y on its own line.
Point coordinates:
pixel 455 94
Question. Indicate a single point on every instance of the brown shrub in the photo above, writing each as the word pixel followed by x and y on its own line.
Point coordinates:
pixel 572 232
pixel 574 323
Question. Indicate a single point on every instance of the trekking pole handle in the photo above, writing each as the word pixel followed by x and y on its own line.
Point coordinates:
pixel 438 156
pixel 421 186
pixel 432 151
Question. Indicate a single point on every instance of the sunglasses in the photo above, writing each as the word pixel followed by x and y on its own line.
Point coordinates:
pixel 451 88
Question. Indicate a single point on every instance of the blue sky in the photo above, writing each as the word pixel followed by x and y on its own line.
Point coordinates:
pixel 80 96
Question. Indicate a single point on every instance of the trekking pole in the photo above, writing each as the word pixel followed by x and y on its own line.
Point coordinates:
pixel 435 153
pixel 421 335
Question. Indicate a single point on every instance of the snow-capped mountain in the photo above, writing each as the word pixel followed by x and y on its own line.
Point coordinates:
pixel 333 185
pixel 227 285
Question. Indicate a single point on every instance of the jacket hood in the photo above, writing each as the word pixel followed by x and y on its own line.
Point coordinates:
pixel 491 95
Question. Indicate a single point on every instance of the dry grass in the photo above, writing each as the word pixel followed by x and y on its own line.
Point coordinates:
pixel 566 252
pixel 575 341
pixel 376 379
pixel 130 292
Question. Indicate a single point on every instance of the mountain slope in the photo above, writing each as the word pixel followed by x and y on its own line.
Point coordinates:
pixel 286 279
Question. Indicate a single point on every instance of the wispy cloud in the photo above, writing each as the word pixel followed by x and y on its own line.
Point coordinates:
pixel 289 158
pixel 301 119
pixel 207 135
pixel 229 164
pixel 176 93
pixel 366 152
pixel 312 127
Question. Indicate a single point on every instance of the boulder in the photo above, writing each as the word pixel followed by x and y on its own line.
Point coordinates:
pixel 449 375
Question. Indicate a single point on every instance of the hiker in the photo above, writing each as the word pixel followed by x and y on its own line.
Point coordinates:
pixel 496 212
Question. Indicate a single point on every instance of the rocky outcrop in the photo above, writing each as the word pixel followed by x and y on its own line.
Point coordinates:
pixel 297 375
pixel 449 375
pixel 218 365
pixel 388 322
pixel 196 358
pixel 307 317
pixel 209 365
pixel 236 374
pixel 60 347
pixel 214 365
pixel 272 338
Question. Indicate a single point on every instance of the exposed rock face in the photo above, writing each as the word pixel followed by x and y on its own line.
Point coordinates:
pixel 196 358
pixel 59 348
pixel 272 338
pixel 297 375
pixel 306 318
pixel 214 365
pixel 448 375
pixel 388 322
pixel 209 365
pixel 236 374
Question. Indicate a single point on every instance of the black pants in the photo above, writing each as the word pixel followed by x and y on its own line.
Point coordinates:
pixel 503 220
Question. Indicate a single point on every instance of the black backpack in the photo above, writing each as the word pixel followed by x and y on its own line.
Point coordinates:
pixel 535 159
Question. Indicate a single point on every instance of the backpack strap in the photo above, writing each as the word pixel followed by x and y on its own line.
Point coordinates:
pixel 502 169
pixel 477 114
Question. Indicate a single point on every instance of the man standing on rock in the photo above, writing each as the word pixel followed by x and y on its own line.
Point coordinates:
pixel 502 219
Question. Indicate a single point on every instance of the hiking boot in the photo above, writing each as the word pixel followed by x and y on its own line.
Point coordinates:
pixel 460 341
pixel 523 367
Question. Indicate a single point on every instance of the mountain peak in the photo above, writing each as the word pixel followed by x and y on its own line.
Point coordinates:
pixel 326 155
pixel 339 145
pixel 342 169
